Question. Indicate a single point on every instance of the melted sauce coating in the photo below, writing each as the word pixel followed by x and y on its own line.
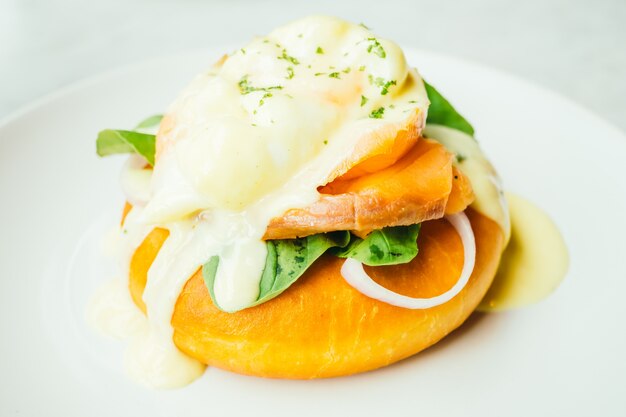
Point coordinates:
pixel 534 262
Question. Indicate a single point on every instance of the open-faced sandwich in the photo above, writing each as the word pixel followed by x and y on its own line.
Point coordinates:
pixel 308 207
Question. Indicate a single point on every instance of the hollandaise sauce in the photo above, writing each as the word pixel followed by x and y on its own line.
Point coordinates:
pixel 534 262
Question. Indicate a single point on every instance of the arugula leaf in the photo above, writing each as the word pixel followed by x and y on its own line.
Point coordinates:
pixel 111 142
pixel 286 261
pixel 140 140
pixel 209 269
pixel 388 246
pixel 441 112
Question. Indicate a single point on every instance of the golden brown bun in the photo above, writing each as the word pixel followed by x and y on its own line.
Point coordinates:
pixel 322 327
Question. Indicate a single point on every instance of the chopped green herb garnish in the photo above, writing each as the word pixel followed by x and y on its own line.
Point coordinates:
pixel 460 158
pixel 386 86
pixel 317 74
pixel 326 142
pixel 266 95
pixel 290 73
pixel 364 26
pixel 246 88
pixel 289 58
pixel 334 75
pixel 380 82
pixel 363 100
pixel 266 41
pixel 376 48
pixel 243 51
pixel 378 113
pixel 319 50
pixel 362 68
pixel 412 102
pixel 346 70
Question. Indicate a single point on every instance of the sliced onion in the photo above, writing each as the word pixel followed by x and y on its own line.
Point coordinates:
pixel 353 272
pixel 135 180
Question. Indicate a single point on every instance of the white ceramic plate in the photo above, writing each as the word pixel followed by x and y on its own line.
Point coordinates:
pixel 564 356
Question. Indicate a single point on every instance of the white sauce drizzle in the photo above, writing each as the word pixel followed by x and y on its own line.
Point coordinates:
pixel 112 311
pixel 148 360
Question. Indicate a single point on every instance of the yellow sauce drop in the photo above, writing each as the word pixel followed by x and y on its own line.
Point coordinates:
pixel 534 262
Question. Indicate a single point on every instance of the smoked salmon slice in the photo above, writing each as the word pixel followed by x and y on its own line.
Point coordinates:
pixel 422 185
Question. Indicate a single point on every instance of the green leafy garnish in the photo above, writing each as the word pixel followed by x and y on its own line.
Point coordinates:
pixel 111 142
pixel 388 246
pixel 377 113
pixel 290 73
pixel 363 100
pixel 286 261
pixel 319 50
pixel 141 140
pixel 334 75
pixel 441 112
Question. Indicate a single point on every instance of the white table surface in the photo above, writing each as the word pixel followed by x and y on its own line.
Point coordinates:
pixel 574 47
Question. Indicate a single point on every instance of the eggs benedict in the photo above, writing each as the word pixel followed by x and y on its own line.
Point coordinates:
pixel 308 207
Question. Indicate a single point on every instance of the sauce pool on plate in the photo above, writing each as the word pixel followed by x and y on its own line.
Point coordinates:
pixel 534 262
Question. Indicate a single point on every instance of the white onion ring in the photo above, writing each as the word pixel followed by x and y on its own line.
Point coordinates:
pixel 353 272
pixel 135 180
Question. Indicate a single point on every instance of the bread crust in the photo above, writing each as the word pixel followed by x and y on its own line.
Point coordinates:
pixel 321 327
